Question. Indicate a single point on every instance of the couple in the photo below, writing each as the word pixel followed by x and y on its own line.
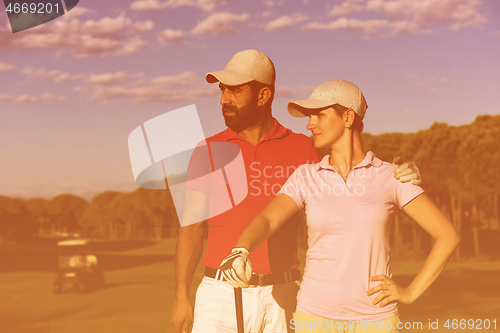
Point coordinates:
pixel 247 87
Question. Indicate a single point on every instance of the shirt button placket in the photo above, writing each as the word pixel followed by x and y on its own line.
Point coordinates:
pixel 348 181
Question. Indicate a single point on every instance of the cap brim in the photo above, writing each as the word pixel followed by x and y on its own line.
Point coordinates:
pixel 301 108
pixel 227 77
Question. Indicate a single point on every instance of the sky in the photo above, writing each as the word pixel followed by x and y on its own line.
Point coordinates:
pixel 72 90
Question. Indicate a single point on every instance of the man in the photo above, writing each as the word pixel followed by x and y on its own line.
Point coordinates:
pixel 271 153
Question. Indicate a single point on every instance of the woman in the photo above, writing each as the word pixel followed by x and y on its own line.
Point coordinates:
pixel 348 197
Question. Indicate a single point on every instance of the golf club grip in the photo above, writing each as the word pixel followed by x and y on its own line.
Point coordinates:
pixel 238 300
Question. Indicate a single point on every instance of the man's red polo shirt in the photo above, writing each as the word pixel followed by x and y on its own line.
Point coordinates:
pixel 268 165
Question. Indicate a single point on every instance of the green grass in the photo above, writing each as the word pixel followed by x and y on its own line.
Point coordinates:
pixel 135 299
pixel 140 287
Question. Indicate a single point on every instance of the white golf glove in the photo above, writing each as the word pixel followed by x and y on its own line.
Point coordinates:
pixel 237 268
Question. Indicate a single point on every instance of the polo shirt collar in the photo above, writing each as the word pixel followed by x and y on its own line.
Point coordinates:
pixel 370 159
pixel 278 132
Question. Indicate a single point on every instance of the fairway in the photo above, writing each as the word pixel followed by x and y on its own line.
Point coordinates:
pixel 140 286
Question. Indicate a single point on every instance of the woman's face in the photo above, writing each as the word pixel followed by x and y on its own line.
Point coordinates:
pixel 326 127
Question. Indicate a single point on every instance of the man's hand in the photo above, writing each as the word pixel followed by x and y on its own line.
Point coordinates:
pixel 406 171
pixel 390 292
pixel 237 268
pixel 182 315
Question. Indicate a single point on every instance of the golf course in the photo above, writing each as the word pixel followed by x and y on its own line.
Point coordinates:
pixel 139 289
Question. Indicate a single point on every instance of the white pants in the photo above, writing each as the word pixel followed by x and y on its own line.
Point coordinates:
pixel 266 309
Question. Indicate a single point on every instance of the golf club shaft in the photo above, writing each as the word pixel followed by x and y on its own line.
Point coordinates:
pixel 239 309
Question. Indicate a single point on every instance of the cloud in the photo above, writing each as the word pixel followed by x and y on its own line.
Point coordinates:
pixel 109 79
pixel 40 72
pixel 293 92
pixel 219 24
pixel 131 46
pixel 409 111
pixel 209 5
pixel 153 94
pixel 403 16
pixel 108 26
pixel 285 22
pixel 347 7
pixel 101 79
pixel 56 74
pixel 456 14
pixel 44 98
pixel 5 98
pixel 77 11
pixel 267 14
pixel 145 5
pixel 181 79
pixel 366 26
pixel 109 87
pixel 427 83
pixel 107 36
pixel 65 77
pixel 285 92
pixel 169 36
pixel 6 67
pixel 106 79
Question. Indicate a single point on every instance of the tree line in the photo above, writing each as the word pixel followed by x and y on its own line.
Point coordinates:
pixel 109 215
pixel 459 166
pixel 460 170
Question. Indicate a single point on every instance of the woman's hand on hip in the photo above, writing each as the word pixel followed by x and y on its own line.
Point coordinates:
pixel 390 292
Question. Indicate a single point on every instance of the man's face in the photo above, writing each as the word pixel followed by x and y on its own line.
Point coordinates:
pixel 239 106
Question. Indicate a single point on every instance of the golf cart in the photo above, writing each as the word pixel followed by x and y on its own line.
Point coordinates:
pixel 78 268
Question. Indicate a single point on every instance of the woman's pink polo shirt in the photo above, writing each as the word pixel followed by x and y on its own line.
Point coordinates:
pixel 348 235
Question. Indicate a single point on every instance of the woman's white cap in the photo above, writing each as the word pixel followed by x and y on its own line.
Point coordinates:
pixel 329 93
pixel 245 66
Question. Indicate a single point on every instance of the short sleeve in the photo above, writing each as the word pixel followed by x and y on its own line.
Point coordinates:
pixel 293 187
pixel 199 167
pixel 406 192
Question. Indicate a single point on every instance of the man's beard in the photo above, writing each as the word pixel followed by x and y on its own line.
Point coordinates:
pixel 244 117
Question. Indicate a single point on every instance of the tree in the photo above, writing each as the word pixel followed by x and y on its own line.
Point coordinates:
pixel 95 219
pixel 15 219
pixel 478 167
pixel 39 209
pixel 66 210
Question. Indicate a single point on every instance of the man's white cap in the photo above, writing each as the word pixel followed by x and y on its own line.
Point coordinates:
pixel 245 66
pixel 328 94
